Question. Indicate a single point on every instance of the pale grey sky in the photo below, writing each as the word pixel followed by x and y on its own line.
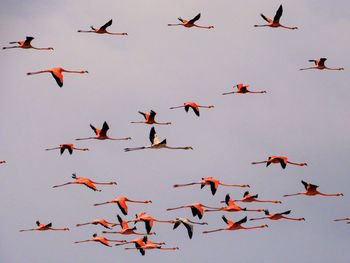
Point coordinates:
pixel 304 115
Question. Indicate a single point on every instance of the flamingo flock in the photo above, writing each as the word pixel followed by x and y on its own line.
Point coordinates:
pixel 121 226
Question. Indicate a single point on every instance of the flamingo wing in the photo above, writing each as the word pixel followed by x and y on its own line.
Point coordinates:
pixel 305 184
pixel 28 40
pixel 196 110
pixel 286 212
pixel 152 115
pixel 123 207
pixel 177 223
pixel 278 15
pixel 322 61
pixel 58 78
pixel 48 225
pixel 283 163
pixel 143 114
pixel 197 17
pixel 62 150
pixel 225 219
pixel 227 199
pixel 94 129
pixel 104 129
pixel 213 187
pixel 109 23
pixel 152 135
pixel 148 225
pixel 243 220
pixel 265 18
pixel 245 193
pixel 189 228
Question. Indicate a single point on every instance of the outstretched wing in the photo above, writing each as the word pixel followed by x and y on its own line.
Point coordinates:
pixel 153 136
pixel 109 23
pixel 227 199
pixel 195 19
pixel 213 187
pixel 225 219
pixel 28 40
pixel 48 225
pixel 322 61
pixel 243 220
pixel 286 213
pixel 94 129
pixel 189 228
pixel 104 129
pixel 195 212
pixel 58 78
pixel 265 18
pixel 152 114
pixel 245 193
pixel 196 111
pixel 278 15
pixel 304 183
pixel 177 223
pixel 143 114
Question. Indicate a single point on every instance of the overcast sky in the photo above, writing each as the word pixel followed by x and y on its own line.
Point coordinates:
pixel 304 115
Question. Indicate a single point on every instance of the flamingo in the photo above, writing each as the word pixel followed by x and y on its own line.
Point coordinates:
pixel 102 134
pixel 248 198
pixel 196 209
pixel 43 227
pixel 85 181
pixel 276 20
pixel 157 144
pixel 69 147
pixel 311 190
pixel 26 44
pixel 153 245
pixel 277 216
pixel 148 220
pixel 99 221
pixel 126 230
pixel 242 89
pixel 149 118
pixel 190 23
pixel 194 106
pixel 57 73
pixel 282 160
pixel 138 244
pixel 214 184
pixel 231 207
pixel 102 30
pixel 319 64
pixel 100 239
pixel 343 219
pixel 234 225
pixel 188 224
pixel 121 202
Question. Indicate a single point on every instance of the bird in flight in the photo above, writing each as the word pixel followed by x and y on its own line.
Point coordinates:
pixel 319 64
pixel 276 20
pixel 242 89
pixel 213 182
pixel 85 181
pixel 157 144
pixel 138 244
pixel 102 30
pixel 100 239
pixel 232 207
pixel 188 224
pixel 69 147
pixel 343 219
pixel 101 134
pixel 196 209
pixel 121 202
pixel 148 220
pixel 149 119
pixel 43 227
pixel 278 216
pixel 99 221
pixel 126 230
pixel 231 225
pixel 190 23
pixel 57 73
pixel 26 44
pixel 282 160
pixel 153 245
pixel 311 189
pixel 248 198
pixel 194 106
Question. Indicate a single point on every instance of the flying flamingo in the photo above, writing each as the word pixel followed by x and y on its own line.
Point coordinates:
pixel 190 23
pixel 276 20
pixel 242 89
pixel 194 106
pixel 343 219
pixel 153 245
pixel 57 73
pixel 278 216
pixel 43 227
pixel 102 29
pixel 121 202
pixel 214 184
pixel 85 181
pixel 311 189
pixel 248 198
pixel 100 239
pixel 102 134
pixel 282 160
pixel 126 230
pixel 157 144
pixel 69 147
pixel 188 224
pixel 232 207
pixel 234 225
pixel 149 118
pixel 138 244
pixel 196 209
pixel 99 221
pixel 319 64
pixel 26 45
pixel 148 220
